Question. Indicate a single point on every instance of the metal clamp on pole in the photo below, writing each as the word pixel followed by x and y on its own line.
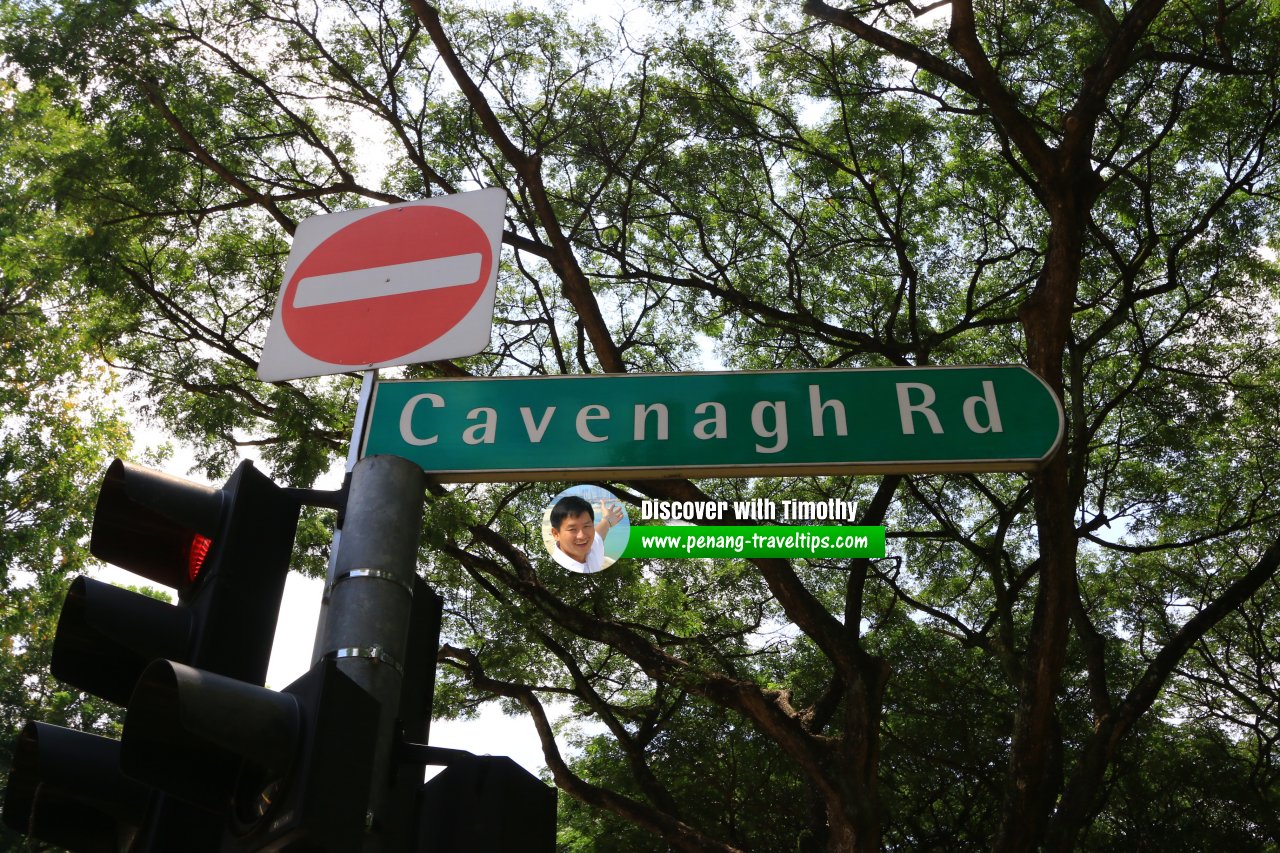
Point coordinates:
pixel 377 654
pixel 377 574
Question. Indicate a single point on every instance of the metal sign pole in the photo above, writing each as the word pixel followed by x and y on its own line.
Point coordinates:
pixel 381 624
pixel 368 380
pixel 362 415
pixel 370 616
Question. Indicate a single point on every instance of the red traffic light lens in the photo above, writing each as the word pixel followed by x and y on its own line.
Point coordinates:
pixel 195 556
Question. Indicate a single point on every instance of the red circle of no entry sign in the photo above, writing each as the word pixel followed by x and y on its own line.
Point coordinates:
pixel 386 285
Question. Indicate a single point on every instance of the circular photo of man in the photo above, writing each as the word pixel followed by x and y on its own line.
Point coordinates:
pixel 585 529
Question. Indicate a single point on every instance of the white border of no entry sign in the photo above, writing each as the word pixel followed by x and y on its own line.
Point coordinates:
pixel 282 358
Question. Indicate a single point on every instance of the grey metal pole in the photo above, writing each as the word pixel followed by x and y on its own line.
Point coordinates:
pixel 367 624
pixel 368 380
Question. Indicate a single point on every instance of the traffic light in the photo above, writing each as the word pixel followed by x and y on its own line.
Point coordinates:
pixel 209 760
pixel 226 551
pixel 287 770
pixel 67 788
pixel 486 804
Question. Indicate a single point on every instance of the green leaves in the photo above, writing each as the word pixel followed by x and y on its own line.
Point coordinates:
pixel 60 419
pixel 1074 188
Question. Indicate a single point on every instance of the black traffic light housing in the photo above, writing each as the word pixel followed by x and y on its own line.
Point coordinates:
pixel 227 552
pixel 66 788
pixel 210 761
pixel 287 770
pixel 486 804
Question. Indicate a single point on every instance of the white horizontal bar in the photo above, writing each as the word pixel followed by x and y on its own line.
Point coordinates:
pixel 392 280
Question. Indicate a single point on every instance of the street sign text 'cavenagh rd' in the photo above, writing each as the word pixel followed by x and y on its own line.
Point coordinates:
pixel 891 420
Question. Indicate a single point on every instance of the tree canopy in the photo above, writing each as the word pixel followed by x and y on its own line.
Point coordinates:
pixel 1080 658
pixel 58 419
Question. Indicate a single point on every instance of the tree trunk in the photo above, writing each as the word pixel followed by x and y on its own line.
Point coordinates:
pixel 1035 773
pixel 855 820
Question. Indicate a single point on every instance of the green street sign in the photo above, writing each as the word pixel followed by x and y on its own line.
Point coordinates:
pixel 740 424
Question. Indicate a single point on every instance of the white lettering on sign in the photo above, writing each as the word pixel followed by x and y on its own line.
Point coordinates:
pixel 536 432
pixel 779 428
pixel 642 417
pixel 917 402
pixel 988 402
pixel 406 419
pixel 484 432
pixel 393 280
pixel 907 410
pixel 594 412
pixel 714 426
pixel 818 408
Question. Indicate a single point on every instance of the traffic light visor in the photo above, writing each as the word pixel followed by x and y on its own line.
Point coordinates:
pixel 66 788
pixel 107 636
pixel 193 733
pixel 155 525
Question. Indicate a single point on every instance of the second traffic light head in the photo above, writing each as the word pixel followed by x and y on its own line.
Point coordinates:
pixel 107 636
pixel 289 770
pixel 66 788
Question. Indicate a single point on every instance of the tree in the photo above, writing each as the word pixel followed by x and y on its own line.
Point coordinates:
pixel 58 422
pixel 1082 188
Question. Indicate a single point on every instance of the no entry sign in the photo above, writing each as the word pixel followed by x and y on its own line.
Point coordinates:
pixel 400 284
